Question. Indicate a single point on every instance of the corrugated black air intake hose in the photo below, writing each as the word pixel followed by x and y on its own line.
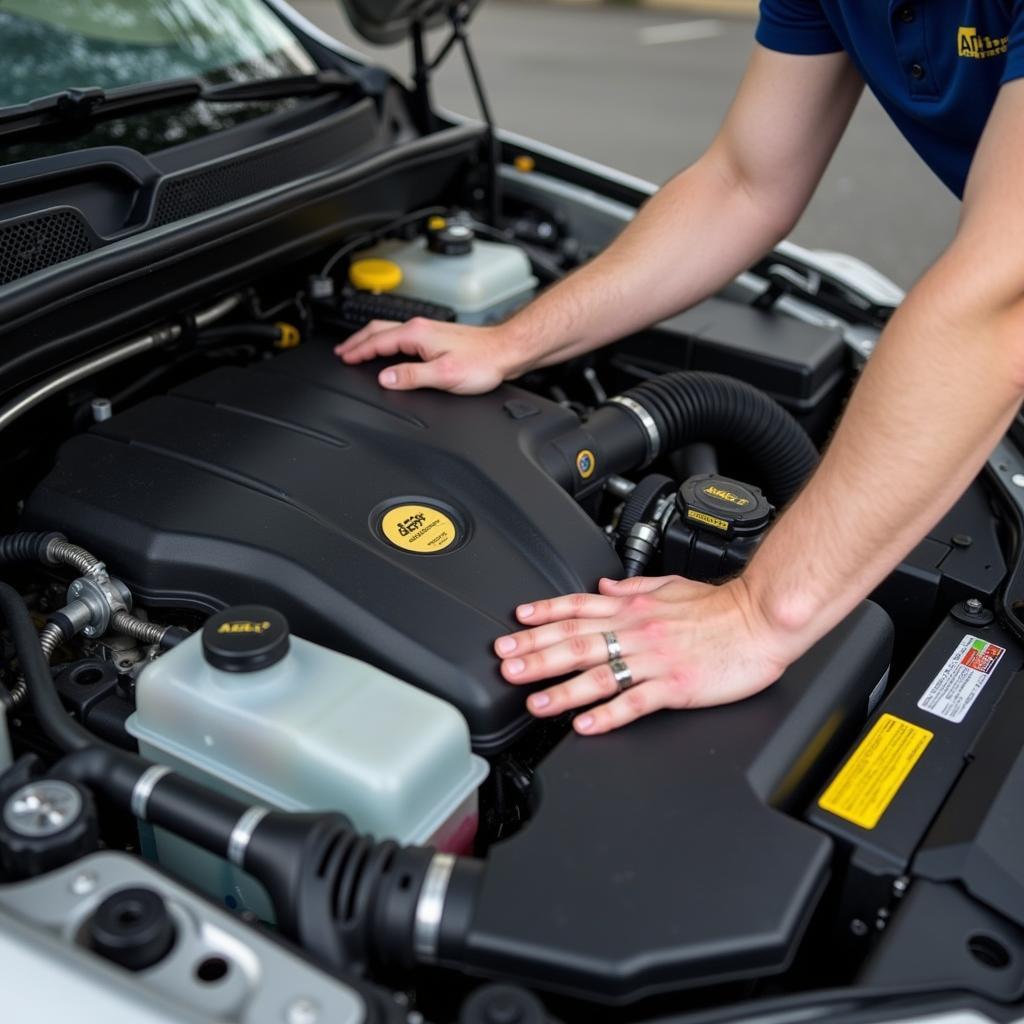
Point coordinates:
pixel 664 414
pixel 711 407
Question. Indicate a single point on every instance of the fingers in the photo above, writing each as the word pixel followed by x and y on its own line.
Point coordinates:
pixel 530 640
pixel 572 606
pixel 594 684
pixel 348 347
pixel 585 649
pixel 404 339
pixel 634 585
pixel 408 376
pixel 627 707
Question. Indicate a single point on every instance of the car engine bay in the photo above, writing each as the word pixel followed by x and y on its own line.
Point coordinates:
pixel 255 750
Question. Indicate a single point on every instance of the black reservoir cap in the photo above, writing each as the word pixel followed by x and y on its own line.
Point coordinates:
pixel 245 638
pixel 724 506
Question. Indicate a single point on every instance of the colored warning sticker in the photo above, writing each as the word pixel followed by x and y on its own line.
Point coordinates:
pixel 419 528
pixel 960 681
pixel 875 771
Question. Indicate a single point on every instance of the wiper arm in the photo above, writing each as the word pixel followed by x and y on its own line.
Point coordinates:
pixel 86 106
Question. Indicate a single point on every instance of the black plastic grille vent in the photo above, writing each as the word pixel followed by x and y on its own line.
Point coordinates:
pixel 33 243
pixel 203 190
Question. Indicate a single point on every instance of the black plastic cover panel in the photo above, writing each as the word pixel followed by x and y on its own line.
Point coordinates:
pixel 661 856
pixel 269 484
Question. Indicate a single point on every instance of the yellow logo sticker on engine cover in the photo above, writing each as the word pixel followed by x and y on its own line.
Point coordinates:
pixel 875 771
pixel 586 463
pixel 421 529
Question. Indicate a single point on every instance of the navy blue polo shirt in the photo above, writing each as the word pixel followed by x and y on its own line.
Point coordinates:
pixel 935 65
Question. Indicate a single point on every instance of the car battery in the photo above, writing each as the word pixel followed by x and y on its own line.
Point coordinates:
pixel 882 800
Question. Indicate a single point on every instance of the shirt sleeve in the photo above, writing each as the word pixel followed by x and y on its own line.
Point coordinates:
pixel 1015 43
pixel 799 26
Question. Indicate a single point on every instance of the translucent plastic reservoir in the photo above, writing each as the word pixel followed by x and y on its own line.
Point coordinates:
pixel 482 286
pixel 316 730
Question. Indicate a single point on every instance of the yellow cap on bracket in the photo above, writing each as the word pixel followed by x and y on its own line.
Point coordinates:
pixel 437 223
pixel 374 275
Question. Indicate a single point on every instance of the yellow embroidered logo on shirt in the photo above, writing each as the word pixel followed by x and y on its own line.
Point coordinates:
pixel 970 44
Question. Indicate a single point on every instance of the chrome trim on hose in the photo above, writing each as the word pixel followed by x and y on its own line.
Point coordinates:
pixel 143 788
pixel 430 907
pixel 646 421
pixel 238 842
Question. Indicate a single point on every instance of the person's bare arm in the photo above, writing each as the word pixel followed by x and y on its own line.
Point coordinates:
pixel 939 392
pixel 699 231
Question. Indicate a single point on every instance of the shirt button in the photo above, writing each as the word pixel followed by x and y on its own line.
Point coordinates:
pixel 917 70
pixel 906 13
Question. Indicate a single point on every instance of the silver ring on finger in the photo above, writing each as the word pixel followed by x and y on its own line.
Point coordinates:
pixel 614 647
pixel 621 674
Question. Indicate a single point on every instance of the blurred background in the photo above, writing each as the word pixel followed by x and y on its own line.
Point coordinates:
pixel 643 89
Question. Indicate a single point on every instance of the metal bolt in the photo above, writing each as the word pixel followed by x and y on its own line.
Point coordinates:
pixel 858 927
pixel 900 885
pixel 1017 479
pixel 101 409
pixel 41 809
pixel 973 605
pixel 302 1011
pixel 84 883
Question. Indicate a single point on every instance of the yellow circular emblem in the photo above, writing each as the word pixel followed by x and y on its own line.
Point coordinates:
pixel 421 529
pixel 586 463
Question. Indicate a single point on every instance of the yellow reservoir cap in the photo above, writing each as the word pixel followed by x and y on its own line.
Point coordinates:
pixel 437 223
pixel 373 275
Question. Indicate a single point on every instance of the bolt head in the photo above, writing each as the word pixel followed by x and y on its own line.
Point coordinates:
pixel 973 605
pixel 41 809
pixel 858 927
pixel 1017 479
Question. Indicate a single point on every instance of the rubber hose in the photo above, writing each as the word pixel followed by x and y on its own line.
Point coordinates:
pixel 691 407
pixel 28 547
pixel 55 721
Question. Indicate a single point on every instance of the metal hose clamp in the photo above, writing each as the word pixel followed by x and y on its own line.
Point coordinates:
pixel 143 788
pixel 430 907
pixel 652 436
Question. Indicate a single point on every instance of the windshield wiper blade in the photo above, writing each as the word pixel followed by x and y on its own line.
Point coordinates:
pixel 86 106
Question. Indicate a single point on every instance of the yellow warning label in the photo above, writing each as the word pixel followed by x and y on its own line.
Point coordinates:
pixel 418 528
pixel 872 776
pixel 703 517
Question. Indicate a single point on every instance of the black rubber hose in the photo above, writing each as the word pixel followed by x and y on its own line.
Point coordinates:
pixel 27 547
pixel 64 731
pixel 711 407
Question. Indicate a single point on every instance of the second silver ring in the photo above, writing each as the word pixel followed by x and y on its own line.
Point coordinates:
pixel 621 674
pixel 614 647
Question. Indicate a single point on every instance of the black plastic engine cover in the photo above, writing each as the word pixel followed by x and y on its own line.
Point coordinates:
pixel 666 855
pixel 269 483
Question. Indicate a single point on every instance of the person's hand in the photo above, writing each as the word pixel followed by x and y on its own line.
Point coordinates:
pixel 460 358
pixel 685 644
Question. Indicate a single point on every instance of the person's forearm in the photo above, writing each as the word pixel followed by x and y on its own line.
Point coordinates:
pixel 696 234
pixel 934 401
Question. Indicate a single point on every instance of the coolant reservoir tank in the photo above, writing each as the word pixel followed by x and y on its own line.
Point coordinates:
pixel 276 720
pixel 483 281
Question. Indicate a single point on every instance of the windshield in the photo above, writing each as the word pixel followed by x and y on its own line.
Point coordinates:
pixel 47 46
